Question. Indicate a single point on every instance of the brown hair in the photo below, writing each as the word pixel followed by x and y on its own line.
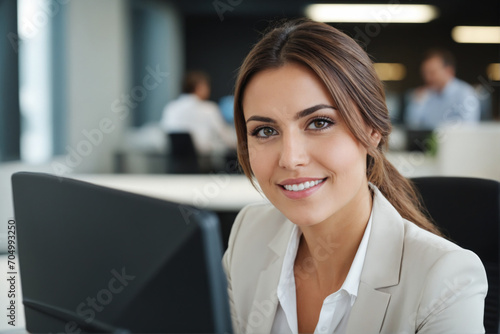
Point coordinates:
pixel 347 72
pixel 192 79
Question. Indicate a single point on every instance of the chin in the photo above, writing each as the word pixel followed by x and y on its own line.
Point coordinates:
pixel 304 218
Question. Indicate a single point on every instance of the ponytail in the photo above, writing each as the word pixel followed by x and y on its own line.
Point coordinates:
pixel 399 191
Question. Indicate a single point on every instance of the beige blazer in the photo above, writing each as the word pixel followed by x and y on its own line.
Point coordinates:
pixel 412 280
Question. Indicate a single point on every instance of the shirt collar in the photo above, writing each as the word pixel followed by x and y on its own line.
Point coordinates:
pixel 351 283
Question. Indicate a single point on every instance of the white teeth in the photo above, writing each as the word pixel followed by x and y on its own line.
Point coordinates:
pixel 302 186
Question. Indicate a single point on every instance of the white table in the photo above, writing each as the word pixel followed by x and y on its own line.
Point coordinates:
pixel 229 192
pixel 220 192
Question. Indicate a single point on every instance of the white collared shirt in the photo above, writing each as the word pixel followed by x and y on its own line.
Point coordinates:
pixel 336 307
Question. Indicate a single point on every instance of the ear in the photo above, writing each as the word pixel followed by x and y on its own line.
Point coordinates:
pixel 375 137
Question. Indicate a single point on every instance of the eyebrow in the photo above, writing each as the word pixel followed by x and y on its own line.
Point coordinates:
pixel 300 114
pixel 308 111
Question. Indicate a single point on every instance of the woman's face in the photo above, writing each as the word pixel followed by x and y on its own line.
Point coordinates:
pixel 307 162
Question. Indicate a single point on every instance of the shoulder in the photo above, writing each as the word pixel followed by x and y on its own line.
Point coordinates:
pixel 462 87
pixel 430 251
pixel 256 224
pixel 454 287
pixel 420 251
pixel 437 287
pixel 419 240
pixel 256 227
pixel 417 243
pixel 441 275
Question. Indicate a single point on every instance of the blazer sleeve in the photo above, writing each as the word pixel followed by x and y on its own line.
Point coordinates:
pixel 226 263
pixel 453 298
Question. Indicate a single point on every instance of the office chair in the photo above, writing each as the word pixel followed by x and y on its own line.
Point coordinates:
pixel 468 212
pixel 183 158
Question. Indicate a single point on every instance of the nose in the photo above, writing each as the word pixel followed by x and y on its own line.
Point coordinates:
pixel 294 152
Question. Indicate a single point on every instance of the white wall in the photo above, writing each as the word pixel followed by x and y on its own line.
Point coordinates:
pixel 35 90
pixel 98 73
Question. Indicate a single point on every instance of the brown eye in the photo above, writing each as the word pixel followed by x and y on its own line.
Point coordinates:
pixel 268 132
pixel 265 132
pixel 319 124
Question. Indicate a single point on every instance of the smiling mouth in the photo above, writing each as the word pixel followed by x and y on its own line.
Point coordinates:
pixel 302 186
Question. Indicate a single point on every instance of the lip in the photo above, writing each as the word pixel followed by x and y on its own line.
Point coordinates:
pixel 303 193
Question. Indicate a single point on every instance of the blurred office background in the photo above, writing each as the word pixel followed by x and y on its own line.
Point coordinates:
pixel 84 83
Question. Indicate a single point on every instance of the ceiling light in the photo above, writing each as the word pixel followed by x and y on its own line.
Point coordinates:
pixel 476 34
pixel 493 71
pixel 383 14
pixel 390 71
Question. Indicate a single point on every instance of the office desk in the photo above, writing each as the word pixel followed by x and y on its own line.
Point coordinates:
pixel 217 192
pixel 228 192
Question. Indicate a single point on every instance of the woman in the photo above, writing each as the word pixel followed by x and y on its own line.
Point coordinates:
pixel 344 247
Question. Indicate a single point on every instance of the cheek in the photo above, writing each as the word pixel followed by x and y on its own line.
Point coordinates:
pixel 345 157
pixel 261 161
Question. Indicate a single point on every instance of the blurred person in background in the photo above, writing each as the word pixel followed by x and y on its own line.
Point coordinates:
pixel 443 99
pixel 192 113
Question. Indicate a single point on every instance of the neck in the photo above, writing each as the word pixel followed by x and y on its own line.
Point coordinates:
pixel 327 249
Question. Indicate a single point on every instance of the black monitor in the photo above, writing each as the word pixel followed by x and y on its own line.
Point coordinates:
pixel 94 259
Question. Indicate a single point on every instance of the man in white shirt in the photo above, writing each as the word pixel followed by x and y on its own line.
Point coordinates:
pixel 192 113
pixel 444 99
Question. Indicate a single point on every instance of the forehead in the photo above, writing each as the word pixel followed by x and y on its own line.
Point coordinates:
pixel 289 88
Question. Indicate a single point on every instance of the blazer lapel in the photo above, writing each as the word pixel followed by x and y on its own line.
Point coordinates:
pixel 381 268
pixel 368 312
pixel 263 309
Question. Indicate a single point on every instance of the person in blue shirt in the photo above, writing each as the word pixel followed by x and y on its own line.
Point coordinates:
pixel 444 99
